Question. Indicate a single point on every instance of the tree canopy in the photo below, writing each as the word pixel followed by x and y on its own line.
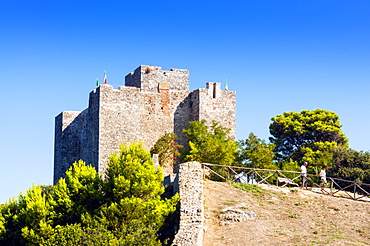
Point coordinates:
pixel 255 152
pixel 125 208
pixel 209 144
pixel 167 148
pixel 350 164
pixel 307 135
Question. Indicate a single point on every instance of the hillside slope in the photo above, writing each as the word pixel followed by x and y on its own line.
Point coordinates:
pixel 285 216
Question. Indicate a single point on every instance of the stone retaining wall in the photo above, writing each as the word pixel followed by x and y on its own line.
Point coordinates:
pixel 190 188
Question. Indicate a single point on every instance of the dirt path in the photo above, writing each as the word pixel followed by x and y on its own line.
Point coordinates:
pixel 284 217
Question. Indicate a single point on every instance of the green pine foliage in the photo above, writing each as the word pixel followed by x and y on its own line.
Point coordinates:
pixel 255 152
pixel 167 148
pixel 210 145
pixel 307 136
pixel 124 208
pixel 351 165
pixel 317 137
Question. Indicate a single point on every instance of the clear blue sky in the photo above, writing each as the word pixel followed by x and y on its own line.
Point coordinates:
pixel 277 55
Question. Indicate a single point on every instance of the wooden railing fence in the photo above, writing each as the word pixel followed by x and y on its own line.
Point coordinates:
pixel 337 187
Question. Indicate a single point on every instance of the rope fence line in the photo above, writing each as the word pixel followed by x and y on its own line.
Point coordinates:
pixel 338 187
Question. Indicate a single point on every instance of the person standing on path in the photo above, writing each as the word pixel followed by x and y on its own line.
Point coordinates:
pixel 304 175
pixel 322 175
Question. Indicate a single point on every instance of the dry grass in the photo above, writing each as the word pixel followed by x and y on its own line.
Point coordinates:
pixel 285 217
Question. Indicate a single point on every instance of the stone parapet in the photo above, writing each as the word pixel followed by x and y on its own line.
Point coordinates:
pixel 147 77
pixel 190 188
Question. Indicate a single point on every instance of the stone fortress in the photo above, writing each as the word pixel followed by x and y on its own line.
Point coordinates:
pixel 152 102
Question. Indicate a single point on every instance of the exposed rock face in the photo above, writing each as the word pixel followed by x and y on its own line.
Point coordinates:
pixel 231 215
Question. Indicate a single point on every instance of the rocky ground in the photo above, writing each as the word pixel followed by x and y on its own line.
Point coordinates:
pixel 284 216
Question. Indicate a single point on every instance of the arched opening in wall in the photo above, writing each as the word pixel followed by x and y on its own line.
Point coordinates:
pixel 214 90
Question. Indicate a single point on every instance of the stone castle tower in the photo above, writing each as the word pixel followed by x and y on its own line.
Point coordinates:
pixel 151 103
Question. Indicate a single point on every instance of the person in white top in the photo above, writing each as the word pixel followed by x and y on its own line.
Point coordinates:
pixel 304 175
pixel 322 175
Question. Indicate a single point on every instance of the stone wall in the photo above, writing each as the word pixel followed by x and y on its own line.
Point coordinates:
pixel 91 131
pixel 153 102
pixel 218 105
pixel 119 120
pixel 190 188
pixel 147 77
pixel 68 139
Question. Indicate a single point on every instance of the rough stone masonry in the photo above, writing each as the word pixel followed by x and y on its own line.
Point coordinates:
pixel 152 102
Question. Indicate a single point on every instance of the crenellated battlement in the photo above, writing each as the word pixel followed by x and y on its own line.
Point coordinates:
pixel 152 103
pixel 147 78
